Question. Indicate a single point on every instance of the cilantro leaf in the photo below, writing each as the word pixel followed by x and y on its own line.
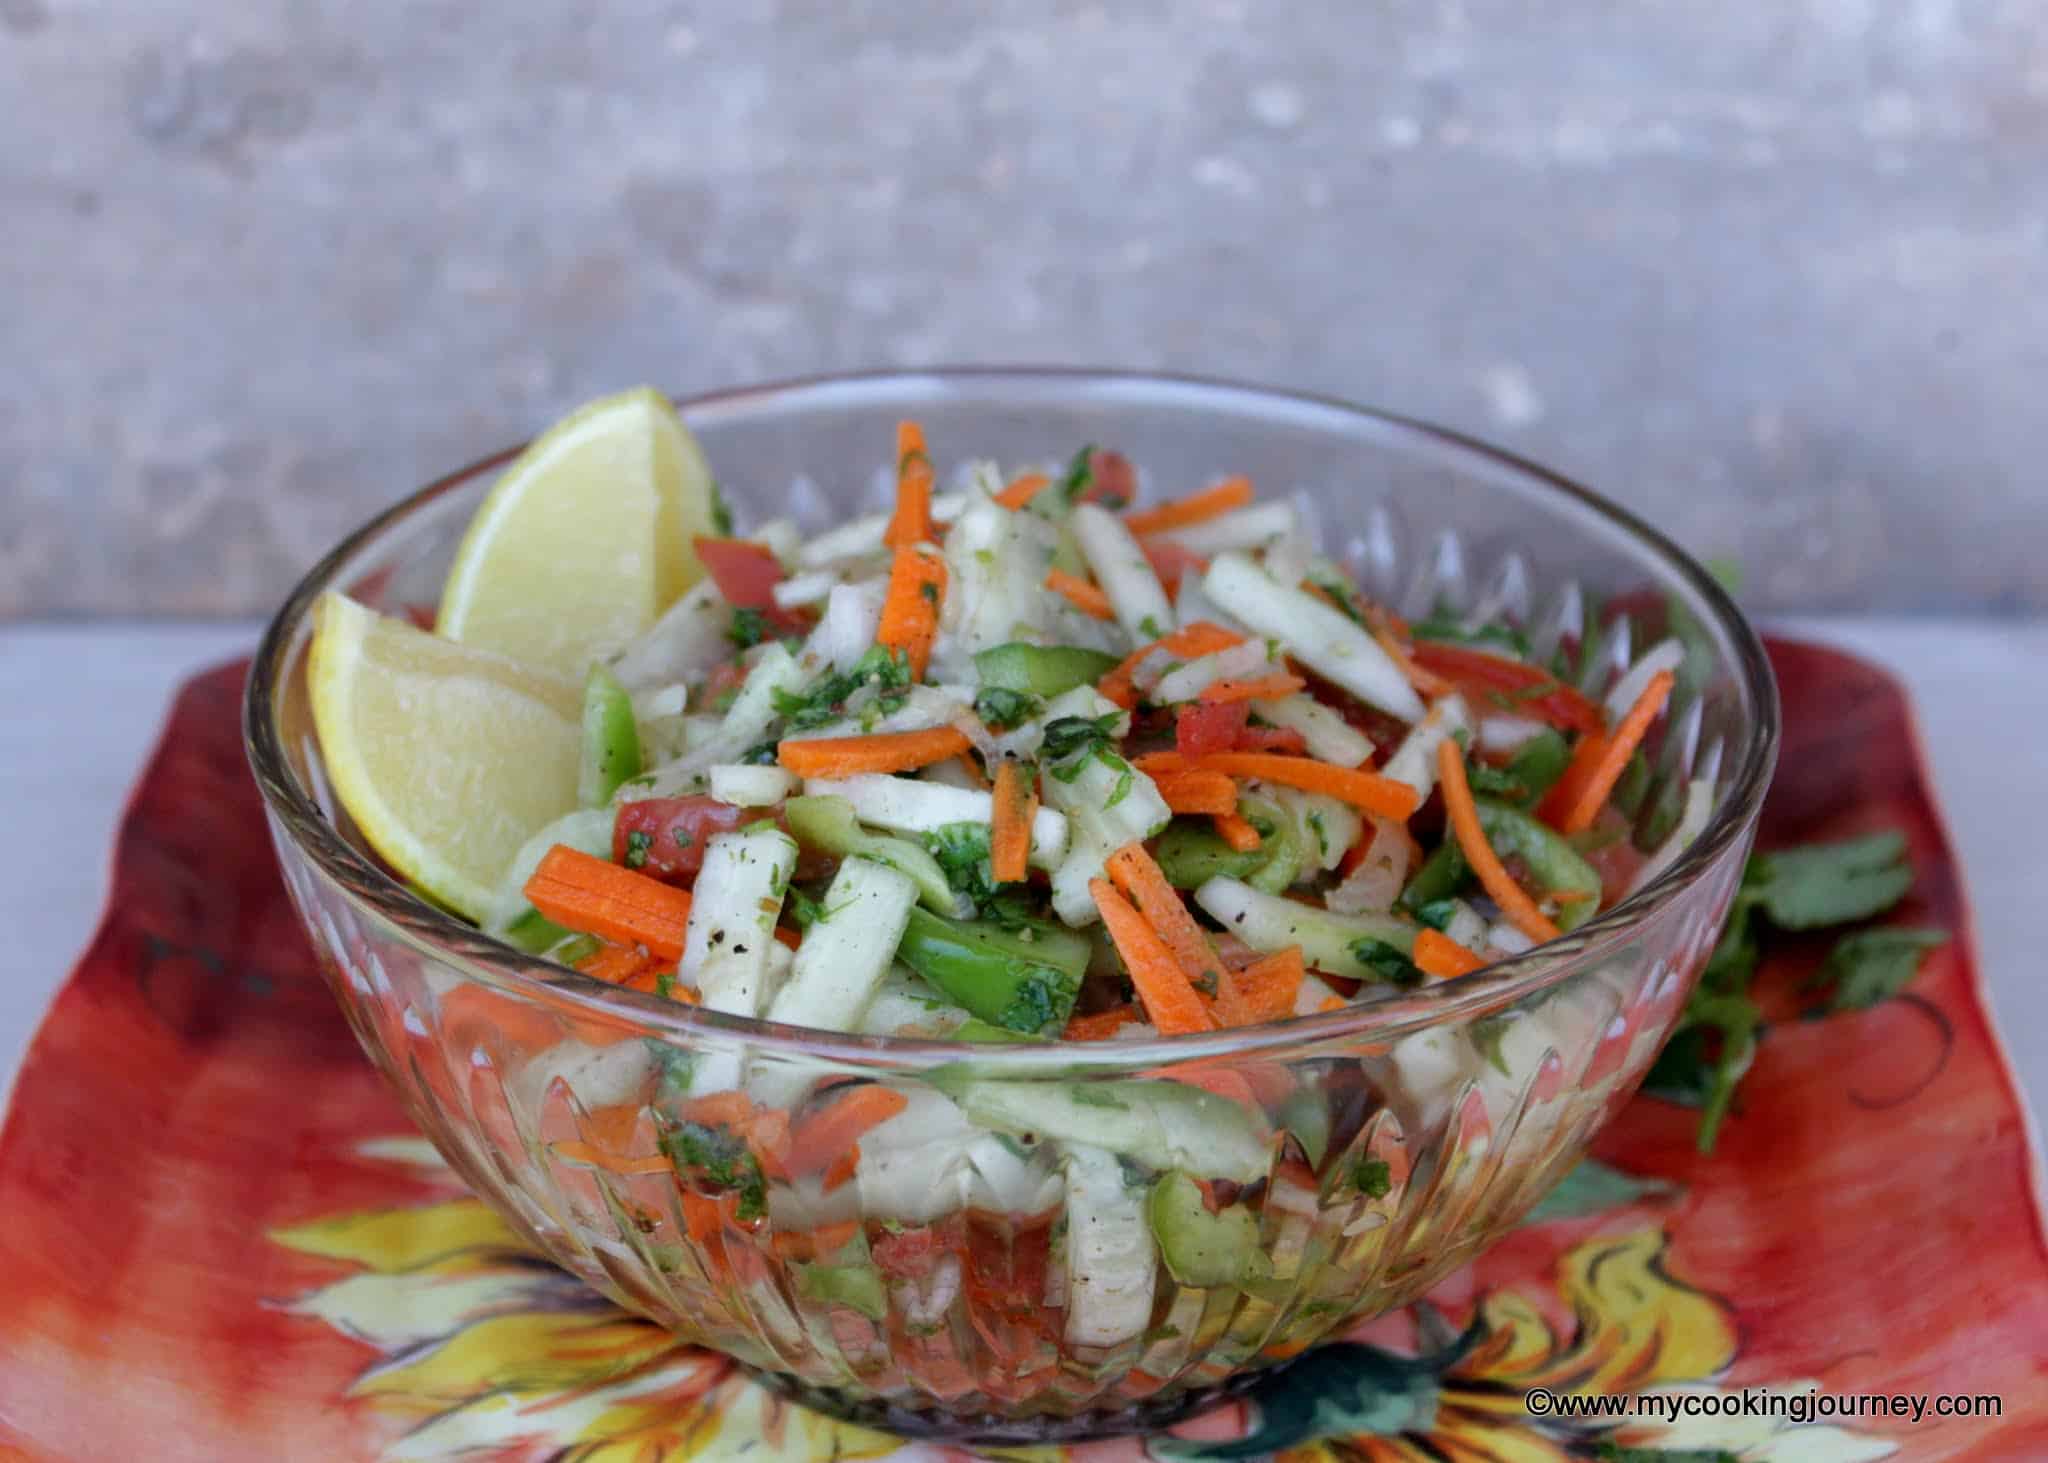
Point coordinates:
pixel 1077 737
pixel 962 852
pixel 721 513
pixel 1447 624
pixel 1830 883
pixel 1079 476
pixel 749 627
pixel 1001 709
pixel 822 700
pixel 1372 1177
pixel 1871 966
pixel 638 843
pixel 1386 962
pixel 718 1159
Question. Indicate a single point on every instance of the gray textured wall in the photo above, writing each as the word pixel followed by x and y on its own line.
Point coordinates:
pixel 1773 271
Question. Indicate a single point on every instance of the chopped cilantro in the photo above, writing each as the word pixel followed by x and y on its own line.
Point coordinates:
pixel 1437 913
pixel 1077 738
pixel 1126 776
pixel 962 852
pixel 718 1159
pixel 1001 709
pixel 821 701
pixel 638 843
pixel 1151 628
pixel 749 627
pixel 665 984
pixel 1372 1177
pixel 761 754
pixel 1079 476
pixel 1385 962
pixel 1447 624
pixel 721 513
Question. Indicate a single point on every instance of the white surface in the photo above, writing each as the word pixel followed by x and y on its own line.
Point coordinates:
pixel 84 704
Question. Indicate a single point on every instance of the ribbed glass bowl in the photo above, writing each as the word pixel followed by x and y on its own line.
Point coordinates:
pixel 1402 1137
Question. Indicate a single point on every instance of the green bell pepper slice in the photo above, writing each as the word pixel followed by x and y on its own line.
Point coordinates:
pixel 1000 976
pixel 611 739
pixel 1041 670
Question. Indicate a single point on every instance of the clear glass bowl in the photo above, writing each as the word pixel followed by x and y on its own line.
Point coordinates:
pixel 1397 1139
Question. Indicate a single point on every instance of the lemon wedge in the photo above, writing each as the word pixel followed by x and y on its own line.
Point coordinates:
pixel 448 757
pixel 586 539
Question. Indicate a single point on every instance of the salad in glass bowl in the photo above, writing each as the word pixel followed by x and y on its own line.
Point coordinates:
pixel 1018 960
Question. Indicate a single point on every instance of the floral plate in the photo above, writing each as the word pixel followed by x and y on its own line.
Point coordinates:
pixel 220 1239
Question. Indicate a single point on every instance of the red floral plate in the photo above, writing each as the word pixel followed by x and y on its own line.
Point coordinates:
pixel 221 1240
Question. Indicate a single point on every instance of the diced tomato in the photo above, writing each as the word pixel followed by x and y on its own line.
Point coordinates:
pixel 1616 862
pixel 422 616
pixel 728 677
pixel 1210 726
pixel 746 573
pixel 1271 739
pixel 1532 689
pixel 1112 478
pixel 908 1253
pixel 676 830
pixel 1170 561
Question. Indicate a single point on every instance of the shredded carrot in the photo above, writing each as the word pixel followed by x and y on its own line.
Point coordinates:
pixel 728 1109
pixel 617 964
pixel 1428 684
pixel 1439 955
pixel 841 1170
pixel 1263 688
pixel 1621 745
pixel 1231 493
pixel 1263 991
pixel 1200 638
pixel 1237 832
pixel 1198 792
pixel 810 1244
pixel 1174 1005
pixel 1564 793
pixel 1367 790
pixel 1102 1025
pixel 1529 689
pixel 1022 490
pixel 1332 1003
pixel 1138 876
pixel 597 897
pixel 1493 874
pixel 912 521
pixel 910 607
pixel 1009 838
pixel 703 1216
pixel 1082 595
pixel 620 1163
pixel 829 1129
pixel 904 751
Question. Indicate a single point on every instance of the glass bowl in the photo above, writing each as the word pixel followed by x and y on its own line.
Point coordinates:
pixel 994 1282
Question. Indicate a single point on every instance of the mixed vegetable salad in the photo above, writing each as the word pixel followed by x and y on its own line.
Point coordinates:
pixel 1024 761
pixel 1029 762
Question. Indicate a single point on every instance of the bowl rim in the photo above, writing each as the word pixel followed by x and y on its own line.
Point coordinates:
pixel 297 816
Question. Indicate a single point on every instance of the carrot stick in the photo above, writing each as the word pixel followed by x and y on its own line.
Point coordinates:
pixel 1428 684
pixel 1533 690
pixel 1022 490
pixel 1262 688
pixel 842 1169
pixel 966 763
pixel 1082 595
pixel 1439 955
pixel 1138 876
pixel 1102 1025
pixel 728 1109
pixel 618 964
pixel 1198 792
pixel 1174 1005
pixel 828 1130
pixel 1237 832
pixel 1200 638
pixel 1009 838
pixel 1214 502
pixel 904 751
pixel 910 608
pixel 1627 736
pixel 912 521
pixel 620 1163
pixel 1263 991
pixel 1367 790
pixel 599 898
pixel 1564 793
pixel 1493 874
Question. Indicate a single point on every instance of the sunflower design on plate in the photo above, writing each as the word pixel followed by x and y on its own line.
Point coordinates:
pixel 487 1350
